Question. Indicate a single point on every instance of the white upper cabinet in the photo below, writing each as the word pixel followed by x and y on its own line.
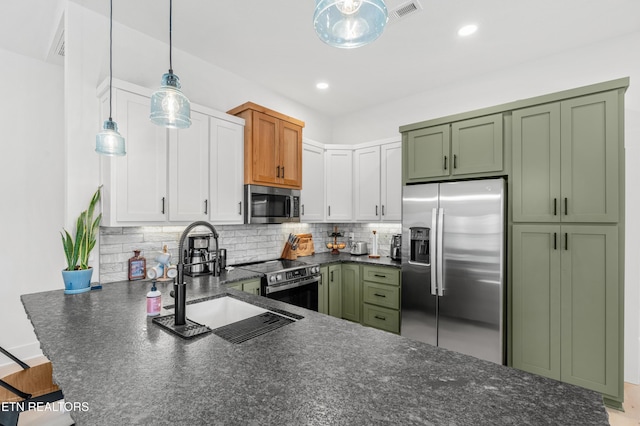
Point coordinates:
pixel 227 171
pixel 312 203
pixel 378 182
pixel 176 176
pixel 391 181
pixel 339 184
pixel 189 170
pixel 135 185
pixel 366 168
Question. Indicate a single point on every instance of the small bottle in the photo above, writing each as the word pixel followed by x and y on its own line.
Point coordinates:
pixel 137 266
pixel 154 300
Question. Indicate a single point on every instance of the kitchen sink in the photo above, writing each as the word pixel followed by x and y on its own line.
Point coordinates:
pixel 228 317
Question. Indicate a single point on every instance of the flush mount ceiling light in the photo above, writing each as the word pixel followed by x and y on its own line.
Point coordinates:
pixel 109 141
pixel 349 23
pixel 467 30
pixel 322 85
pixel 169 106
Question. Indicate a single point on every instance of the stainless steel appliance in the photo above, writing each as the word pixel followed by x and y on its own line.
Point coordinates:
pixel 200 259
pixel 268 204
pixel 289 281
pixel 396 247
pixel 453 266
pixel 359 248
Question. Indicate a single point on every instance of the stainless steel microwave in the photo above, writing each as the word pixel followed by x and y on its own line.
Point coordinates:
pixel 269 204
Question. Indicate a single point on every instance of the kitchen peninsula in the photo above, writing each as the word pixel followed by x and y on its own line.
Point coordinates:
pixel 319 370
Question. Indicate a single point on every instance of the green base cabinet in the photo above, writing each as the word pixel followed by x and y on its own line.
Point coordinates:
pixel 248 286
pixel 335 290
pixel 381 297
pixel 323 291
pixel 566 292
pixel 351 289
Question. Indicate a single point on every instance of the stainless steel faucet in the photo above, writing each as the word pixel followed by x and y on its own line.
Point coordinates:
pixel 179 286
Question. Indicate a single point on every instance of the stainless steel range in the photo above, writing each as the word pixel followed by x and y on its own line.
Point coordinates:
pixel 290 281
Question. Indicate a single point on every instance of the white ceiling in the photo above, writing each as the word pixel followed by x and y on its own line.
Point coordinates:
pixel 273 42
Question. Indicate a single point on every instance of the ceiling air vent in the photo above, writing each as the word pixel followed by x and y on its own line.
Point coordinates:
pixel 56 48
pixel 404 10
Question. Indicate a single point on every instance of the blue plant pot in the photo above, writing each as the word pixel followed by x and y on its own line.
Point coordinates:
pixel 77 281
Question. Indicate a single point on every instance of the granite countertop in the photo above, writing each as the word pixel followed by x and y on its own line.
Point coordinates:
pixel 345 257
pixel 320 370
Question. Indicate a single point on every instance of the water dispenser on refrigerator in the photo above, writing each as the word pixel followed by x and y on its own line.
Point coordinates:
pixel 420 245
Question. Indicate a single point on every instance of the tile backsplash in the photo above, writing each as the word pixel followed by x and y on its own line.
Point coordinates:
pixel 244 243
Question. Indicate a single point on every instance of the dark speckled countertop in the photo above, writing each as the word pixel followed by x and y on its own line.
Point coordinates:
pixel 320 370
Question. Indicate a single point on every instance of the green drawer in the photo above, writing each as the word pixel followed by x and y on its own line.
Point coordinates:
pixel 381 295
pixel 381 318
pixel 381 274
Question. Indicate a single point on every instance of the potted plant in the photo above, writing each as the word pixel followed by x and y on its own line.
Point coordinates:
pixel 77 275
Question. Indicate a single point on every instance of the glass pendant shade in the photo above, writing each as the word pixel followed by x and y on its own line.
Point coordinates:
pixel 109 141
pixel 349 23
pixel 169 106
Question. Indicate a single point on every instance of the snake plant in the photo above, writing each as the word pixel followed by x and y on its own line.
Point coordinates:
pixel 78 249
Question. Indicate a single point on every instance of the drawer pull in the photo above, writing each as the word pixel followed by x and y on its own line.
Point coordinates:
pixel 380 318
pixel 379 276
pixel 379 295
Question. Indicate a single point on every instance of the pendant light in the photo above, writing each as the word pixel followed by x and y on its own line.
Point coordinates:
pixel 109 141
pixel 349 23
pixel 169 107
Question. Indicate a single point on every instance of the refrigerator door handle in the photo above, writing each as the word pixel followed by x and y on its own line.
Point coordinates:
pixel 439 250
pixel 432 249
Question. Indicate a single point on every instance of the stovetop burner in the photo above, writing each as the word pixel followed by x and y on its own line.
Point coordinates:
pixel 276 265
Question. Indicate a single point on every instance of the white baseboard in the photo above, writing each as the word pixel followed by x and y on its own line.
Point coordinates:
pixel 24 353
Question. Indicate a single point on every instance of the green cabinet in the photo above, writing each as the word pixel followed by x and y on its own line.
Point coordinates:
pixel 427 153
pixel 566 160
pixel 476 145
pixel 335 290
pixel 351 290
pixel 566 292
pixel 467 148
pixel 381 297
pixel 249 286
pixel 323 291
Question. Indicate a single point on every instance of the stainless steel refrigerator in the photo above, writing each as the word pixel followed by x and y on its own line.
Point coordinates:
pixel 453 266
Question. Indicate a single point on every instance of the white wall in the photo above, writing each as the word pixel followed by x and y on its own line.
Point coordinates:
pixel 31 190
pixel 604 61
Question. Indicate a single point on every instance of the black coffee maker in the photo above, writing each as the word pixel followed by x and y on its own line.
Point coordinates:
pixel 396 247
pixel 198 255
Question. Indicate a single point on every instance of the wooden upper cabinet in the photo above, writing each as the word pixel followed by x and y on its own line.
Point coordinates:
pixel 272 147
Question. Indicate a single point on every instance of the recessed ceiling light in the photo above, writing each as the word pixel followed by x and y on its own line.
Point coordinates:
pixel 322 85
pixel 467 30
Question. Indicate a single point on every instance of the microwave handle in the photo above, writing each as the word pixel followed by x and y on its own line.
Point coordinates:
pixel 287 207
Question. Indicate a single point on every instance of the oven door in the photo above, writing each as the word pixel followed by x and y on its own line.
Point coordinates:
pixel 303 293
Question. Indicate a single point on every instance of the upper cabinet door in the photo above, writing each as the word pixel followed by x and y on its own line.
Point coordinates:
pixel 141 175
pixel 590 132
pixel 227 171
pixel 536 164
pixel 189 170
pixel 427 153
pixel 290 155
pixel 476 145
pixel 391 181
pixel 312 194
pixel 339 184
pixel 367 183
pixel 265 148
